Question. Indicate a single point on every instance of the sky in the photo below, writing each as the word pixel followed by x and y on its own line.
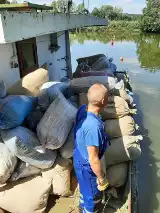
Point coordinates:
pixel 128 6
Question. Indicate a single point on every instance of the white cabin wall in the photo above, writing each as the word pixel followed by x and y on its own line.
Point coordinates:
pixel 8 54
pixel 54 65
pixel 58 63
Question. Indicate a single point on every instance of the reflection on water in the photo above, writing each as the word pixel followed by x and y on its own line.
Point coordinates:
pixel 147 46
pixel 141 55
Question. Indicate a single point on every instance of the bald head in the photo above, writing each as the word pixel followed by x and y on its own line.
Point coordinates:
pixel 97 95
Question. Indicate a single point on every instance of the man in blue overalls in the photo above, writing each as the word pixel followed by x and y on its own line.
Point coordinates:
pixel 90 145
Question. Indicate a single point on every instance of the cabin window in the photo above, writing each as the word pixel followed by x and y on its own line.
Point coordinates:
pixel 53 42
pixel 27 56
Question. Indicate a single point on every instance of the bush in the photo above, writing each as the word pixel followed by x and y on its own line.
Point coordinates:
pixel 150 21
pixel 123 25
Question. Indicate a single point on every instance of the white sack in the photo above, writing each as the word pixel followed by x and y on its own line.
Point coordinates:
pixel 79 85
pixel 117 174
pixel 123 149
pixel 8 163
pixel 22 143
pixel 66 150
pixel 56 123
pixel 28 195
pixel 24 170
pixel 60 175
pixel 119 90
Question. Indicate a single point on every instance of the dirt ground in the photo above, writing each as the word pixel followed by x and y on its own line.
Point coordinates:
pixel 68 205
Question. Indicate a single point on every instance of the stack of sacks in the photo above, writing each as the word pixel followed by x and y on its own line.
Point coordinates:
pixel 29 130
pixel 119 125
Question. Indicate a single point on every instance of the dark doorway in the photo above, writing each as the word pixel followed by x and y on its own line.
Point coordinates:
pixel 27 56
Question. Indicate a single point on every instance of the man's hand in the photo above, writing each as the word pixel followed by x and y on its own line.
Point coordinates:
pixel 102 184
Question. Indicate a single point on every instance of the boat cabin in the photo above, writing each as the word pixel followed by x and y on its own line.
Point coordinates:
pixel 32 35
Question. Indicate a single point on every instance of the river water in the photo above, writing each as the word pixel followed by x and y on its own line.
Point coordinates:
pixel 141 55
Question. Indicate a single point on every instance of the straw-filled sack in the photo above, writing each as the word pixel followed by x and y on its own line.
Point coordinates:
pixel 56 123
pixel 31 83
pixel 60 175
pixel 119 127
pixel 117 107
pixel 123 149
pixel 28 195
pixel 8 163
pixel 117 174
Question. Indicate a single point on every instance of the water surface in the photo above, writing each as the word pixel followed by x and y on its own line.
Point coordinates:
pixel 141 55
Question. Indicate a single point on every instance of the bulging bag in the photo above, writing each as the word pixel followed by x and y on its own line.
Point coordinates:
pixel 119 127
pixel 50 91
pixel 14 109
pixel 56 123
pixel 66 150
pixel 117 174
pixel 8 163
pixel 22 142
pixel 24 170
pixel 101 63
pixel 60 175
pixel 79 85
pixel 117 107
pixel 28 195
pixel 123 149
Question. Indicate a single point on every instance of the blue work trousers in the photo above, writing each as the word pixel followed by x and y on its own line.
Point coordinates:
pixel 90 196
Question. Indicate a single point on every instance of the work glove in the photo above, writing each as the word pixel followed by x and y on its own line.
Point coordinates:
pixel 102 185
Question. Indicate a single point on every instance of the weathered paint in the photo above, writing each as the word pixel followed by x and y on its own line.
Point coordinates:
pixel 55 61
pixel 7 55
pixel 22 25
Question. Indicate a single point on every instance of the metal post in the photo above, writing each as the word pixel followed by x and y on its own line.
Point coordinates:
pixel 68 55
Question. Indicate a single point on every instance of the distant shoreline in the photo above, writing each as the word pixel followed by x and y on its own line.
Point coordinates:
pixel 114 26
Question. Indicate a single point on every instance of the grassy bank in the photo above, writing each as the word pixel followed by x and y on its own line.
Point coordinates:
pixel 114 26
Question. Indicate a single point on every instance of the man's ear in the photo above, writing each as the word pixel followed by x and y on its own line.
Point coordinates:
pixel 103 101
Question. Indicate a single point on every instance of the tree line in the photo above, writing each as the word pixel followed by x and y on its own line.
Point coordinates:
pixel 149 21
pixel 105 11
